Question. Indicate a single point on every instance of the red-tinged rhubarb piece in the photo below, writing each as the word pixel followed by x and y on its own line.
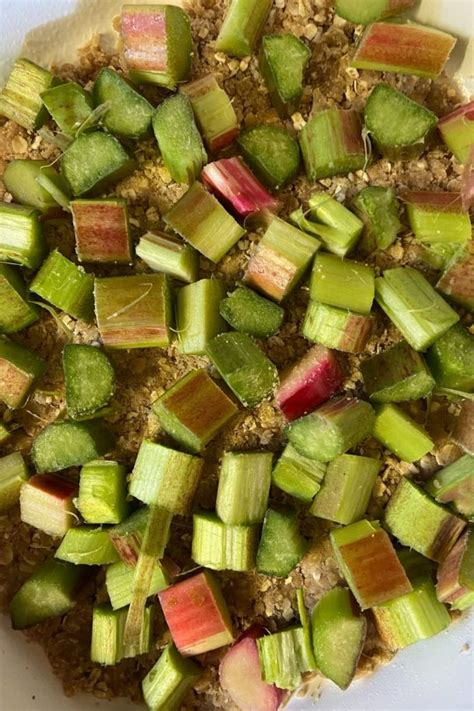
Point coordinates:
pixel 463 432
pixel 241 678
pixel 309 382
pixel 214 112
pixel 456 574
pixel 102 231
pixel 46 502
pixel 457 281
pixel 233 182
pixel 457 130
pixel 365 11
pixel 467 187
pixel 337 328
pixel 455 485
pixel 196 614
pixel 437 218
pixel 19 368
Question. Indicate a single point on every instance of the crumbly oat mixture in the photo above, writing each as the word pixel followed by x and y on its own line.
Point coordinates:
pixel 144 374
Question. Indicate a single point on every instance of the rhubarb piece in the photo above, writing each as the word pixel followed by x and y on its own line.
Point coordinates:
pixel 338 636
pixel 332 429
pixel 93 161
pixel 346 489
pixel 400 127
pixel 170 255
pixel 370 11
pixel 21 237
pixel 119 581
pixel 16 312
pixel 455 584
pixel 297 475
pixel 451 359
pixel 48 592
pixel 283 60
pixel 369 563
pixel 379 211
pixel 284 658
pixel 20 98
pixel 157 44
pixel 127 537
pixel 19 368
pixel 332 144
pixel 401 434
pixel 420 523
pixel 107 635
pixel 396 375
pixel 250 313
pixel 245 368
pixel 70 444
pixel 179 140
pixel 345 227
pixel 307 631
pixel 455 485
pixel 47 503
pixel 134 311
pixel 129 113
pixel 103 492
pixel 4 433
pixel 281 546
pixel 169 680
pixel 20 179
pixel 56 186
pixel 101 230
pixel 89 380
pixel 244 487
pixel 194 410
pixel 166 476
pixel 69 105
pixel 413 305
pixel 282 257
pixel 238 188
pixel 241 678
pixel 309 382
pixel 221 546
pixel 202 221
pixel 337 328
pixel 196 614
pixel 197 315
pixel 242 26
pixel 86 545
pixel 214 112
pixel 437 218
pixel 65 286
pixel 407 48
pixel 13 473
pixel 272 153
pixel 457 131
pixel 463 432
pixel 457 280
pixel 342 283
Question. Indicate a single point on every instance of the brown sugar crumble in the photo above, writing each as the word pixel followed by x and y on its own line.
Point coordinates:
pixel 143 375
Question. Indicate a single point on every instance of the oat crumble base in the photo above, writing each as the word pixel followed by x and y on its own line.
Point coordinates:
pixel 144 374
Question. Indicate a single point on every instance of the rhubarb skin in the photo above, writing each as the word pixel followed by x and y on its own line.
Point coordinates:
pixel 407 48
pixel 231 181
pixel 457 281
pixel 455 578
pixel 457 131
pixel 437 217
pixel 309 382
pixel 337 328
pixel 214 112
pixel 463 432
pixel 101 230
pixel 196 614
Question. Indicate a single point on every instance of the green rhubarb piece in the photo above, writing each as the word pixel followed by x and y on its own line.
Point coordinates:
pixel 338 242
pixel 101 230
pixel 134 311
pixel 419 522
pixel 250 313
pixel 457 131
pixel 103 492
pixel 20 98
pixel 457 280
pixel 342 283
pixel 413 305
pixel 332 214
pixel 379 210
pixel 166 477
pixel 283 60
pixel 65 286
pixel 346 490
pixel 119 581
pixel 108 645
pixel 362 13
pixel 170 255
pixel 127 536
pixel 198 318
pixel 13 473
pixel 297 475
pixel 244 487
pixel 21 237
pixel 20 179
pixel 307 631
pixel 94 160
pixel 70 444
pixel 451 359
pixel 332 429
pixel 194 410
pixel 179 140
pixel 455 485
pixel 245 368
pixel 169 680
pixel 19 368
pixel 455 583
pixel 49 592
pixel 337 328
pixel 16 312
pixel 401 434
pixel 400 127
pixel 70 106
pixel 128 114
pixel 86 545
pixel 281 546
pixel 89 379
pixel 284 657
pixel 215 114
pixel 242 26
pixel 272 154
pixel 438 218
pixel 338 636
pixel 221 546
pixel 396 375
pixel 4 433
pixel 202 221
pixel 56 186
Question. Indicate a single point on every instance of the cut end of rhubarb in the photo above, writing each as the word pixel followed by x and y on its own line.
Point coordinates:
pixel 46 502
pixel 102 232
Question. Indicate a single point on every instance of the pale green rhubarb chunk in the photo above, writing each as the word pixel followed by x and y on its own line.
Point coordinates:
pixel 198 318
pixel 455 485
pixel 19 368
pixel 250 313
pixel 297 475
pixel 337 328
pixel 457 130
pixel 21 180
pixel 128 114
pixel 272 153
pixel 127 536
pixel 455 584
pixel 47 503
pixel 284 658
pixel 169 680
pixel 244 487
pixel 379 210
pixel 362 13
pixel 282 60
pixel 242 26
pixel 451 359
pixel 119 581
pixel 457 280
pixel 396 375
pixel 13 473
pixel 103 492
pixel 21 236
pixel 108 643
pixel 281 546
pixel 342 227
pixel 342 283
pixel 438 218
pixel 399 433
pixel 221 546
pixel 16 312
pixel 170 255
pixel 69 444
pixel 89 380
pixel 20 98
pixel 70 106
pixel 66 286
pixel 86 545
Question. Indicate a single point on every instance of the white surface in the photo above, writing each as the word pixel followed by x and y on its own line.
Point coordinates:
pixel 436 675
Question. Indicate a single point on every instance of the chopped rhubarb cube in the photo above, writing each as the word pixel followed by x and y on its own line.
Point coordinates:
pixel 456 574
pixel 457 130
pixel 101 230
pixel 46 502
